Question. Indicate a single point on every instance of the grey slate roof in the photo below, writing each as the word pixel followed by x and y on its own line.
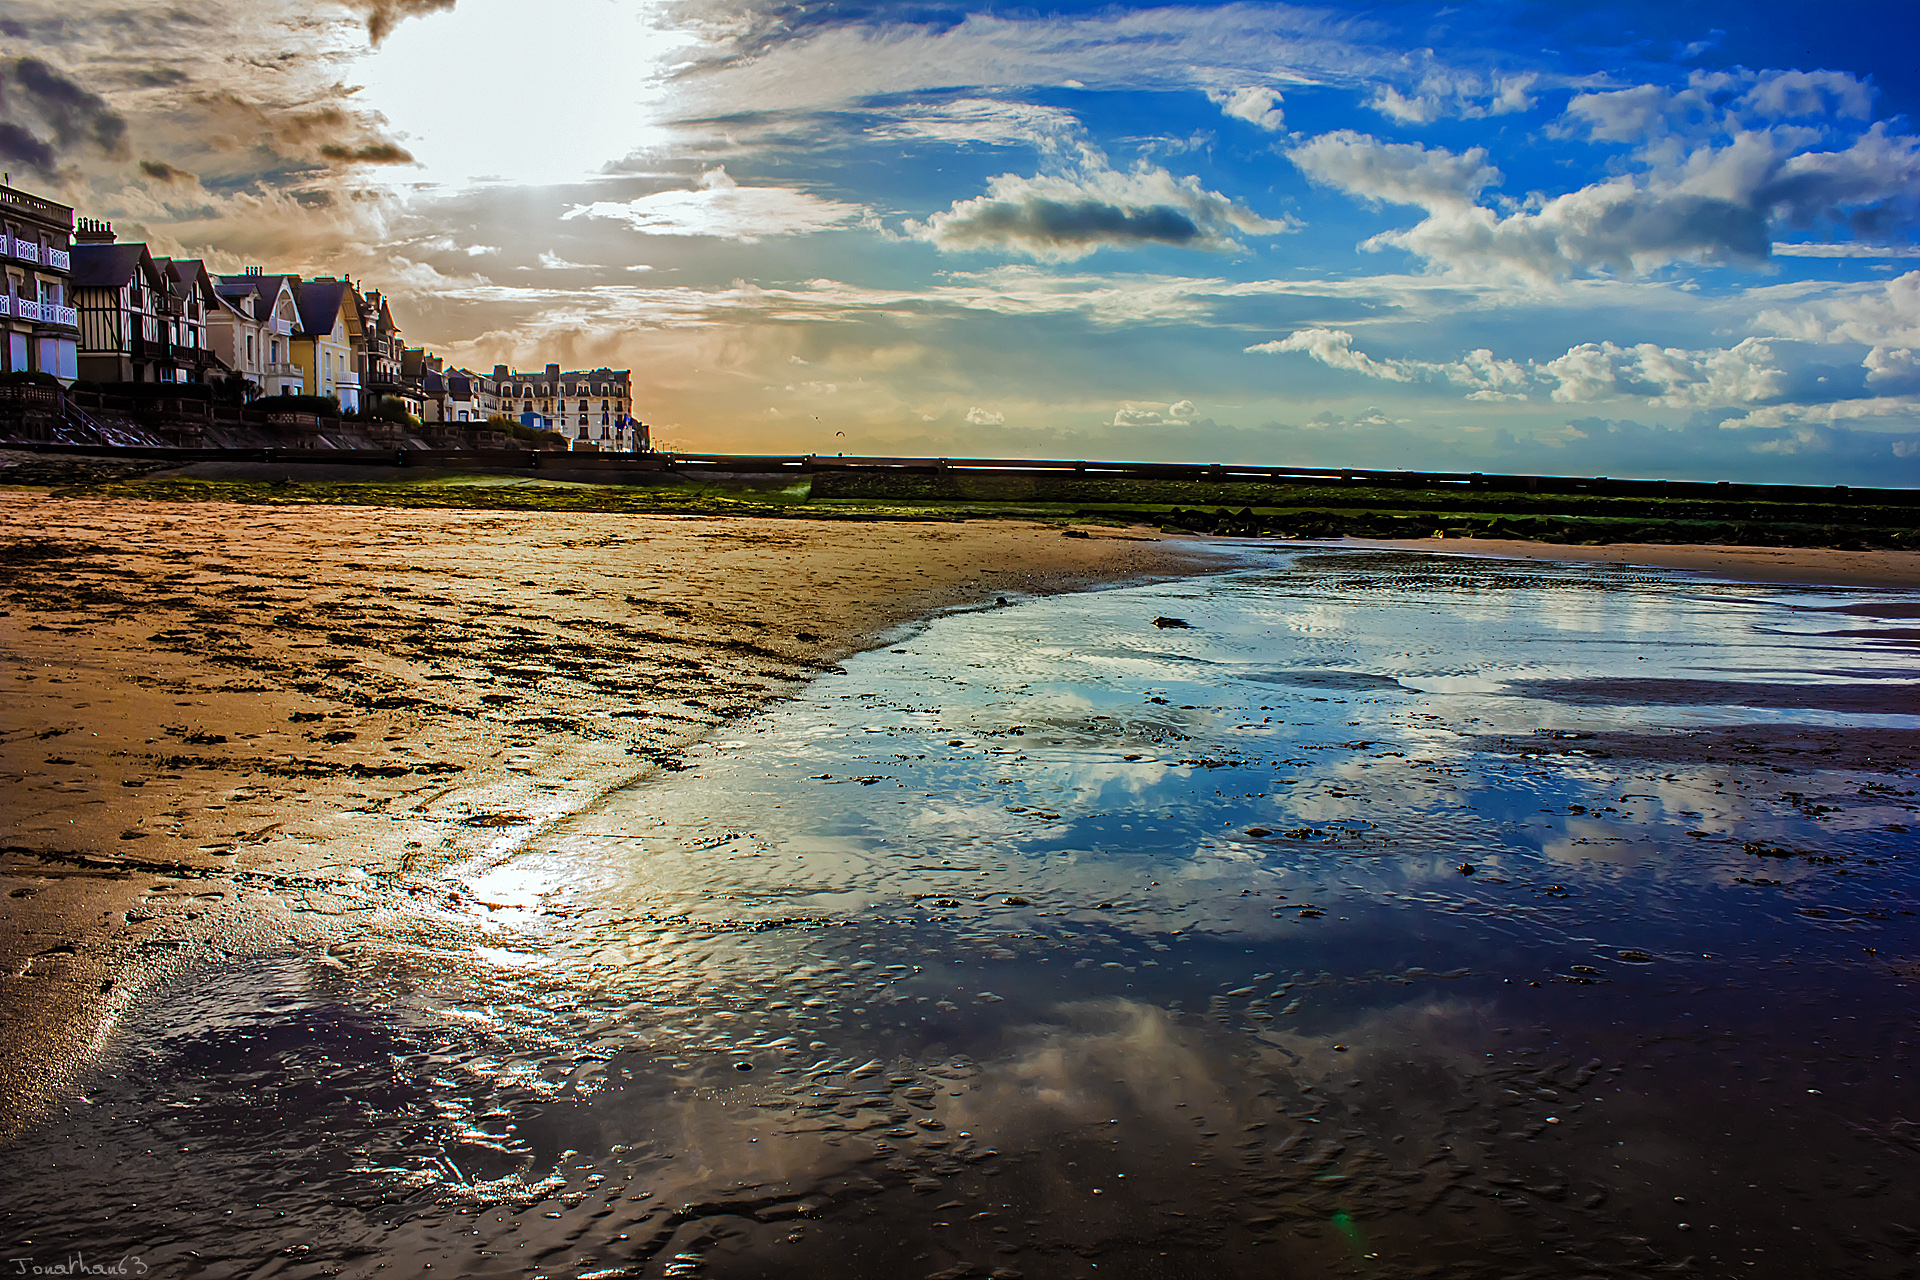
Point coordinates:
pixel 105 266
pixel 319 302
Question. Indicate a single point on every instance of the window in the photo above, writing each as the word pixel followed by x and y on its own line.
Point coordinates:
pixel 249 348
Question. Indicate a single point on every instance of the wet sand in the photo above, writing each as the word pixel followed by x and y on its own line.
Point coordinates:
pixel 228 724
pixel 1799 566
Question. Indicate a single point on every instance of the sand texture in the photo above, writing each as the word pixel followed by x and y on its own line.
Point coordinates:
pixel 229 722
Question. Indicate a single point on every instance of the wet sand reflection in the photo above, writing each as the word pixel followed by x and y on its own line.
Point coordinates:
pixel 1364 926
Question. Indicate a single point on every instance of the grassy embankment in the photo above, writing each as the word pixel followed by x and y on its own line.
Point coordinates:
pixel 1242 509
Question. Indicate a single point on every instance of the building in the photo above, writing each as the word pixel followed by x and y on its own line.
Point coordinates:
pixel 381 353
pixel 251 329
pixel 587 404
pixel 324 345
pixel 126 307
pixel 192 288
pixel 36 296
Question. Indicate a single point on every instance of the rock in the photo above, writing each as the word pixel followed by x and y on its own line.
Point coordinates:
pixel 1466 868
pixel 1165 623
pixel 1257 832
pixel 1015 900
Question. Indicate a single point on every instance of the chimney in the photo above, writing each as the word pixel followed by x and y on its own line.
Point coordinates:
pixel 553 371
pixel 256 271
pixel 499 373
pixel 93 231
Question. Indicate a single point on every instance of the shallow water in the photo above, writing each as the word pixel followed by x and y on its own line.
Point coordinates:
pixel 1352 928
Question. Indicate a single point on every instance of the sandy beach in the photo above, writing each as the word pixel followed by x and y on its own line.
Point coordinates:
pixel 324 839
pixel 234 721
pixel 231 722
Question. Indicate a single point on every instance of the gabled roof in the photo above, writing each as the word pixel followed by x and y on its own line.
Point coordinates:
pixel 109 266
pixel 319 302
pixel 264 287
pixel 188 273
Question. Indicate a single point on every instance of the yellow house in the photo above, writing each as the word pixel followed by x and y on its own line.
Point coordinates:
pixel 324 344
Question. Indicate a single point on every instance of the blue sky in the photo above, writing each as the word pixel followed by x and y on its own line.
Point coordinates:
pixel 1664 240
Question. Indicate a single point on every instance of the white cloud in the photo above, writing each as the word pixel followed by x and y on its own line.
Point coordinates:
pixel 1396 172
pixel 1445 92
pixel 1718 165
pixel 989 121
pixel 1877 315
pixel 1167 46
pixel 1852 249
pixel 1717 206
pixel 554 262
pixel 979 417
pixel 720 208
pixel 1062 217
pixel 1181 413
pixel 1255 104
pixel 1670 377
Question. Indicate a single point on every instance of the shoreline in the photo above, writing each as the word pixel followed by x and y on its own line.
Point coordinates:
pixel 235 723
pixel 1782 566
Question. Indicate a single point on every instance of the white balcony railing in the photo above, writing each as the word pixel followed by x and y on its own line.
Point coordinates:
pixel 26 309
pixel 52 313
pixel 282 327
pixel 26 250
pixel 6 304
pixel 59 259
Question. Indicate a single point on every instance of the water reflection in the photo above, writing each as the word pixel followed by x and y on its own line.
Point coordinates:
pixel 1398 915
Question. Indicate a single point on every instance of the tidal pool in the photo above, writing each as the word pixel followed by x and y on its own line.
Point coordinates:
pixel 1395 915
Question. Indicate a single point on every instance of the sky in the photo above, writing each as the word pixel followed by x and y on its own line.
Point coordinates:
pixel 1601 239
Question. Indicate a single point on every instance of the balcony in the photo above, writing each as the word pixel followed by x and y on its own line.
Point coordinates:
pixel 26 309
pixel 25 250
pixel 53 313
pixel 284 328
pixel 281 370
pixel 59 259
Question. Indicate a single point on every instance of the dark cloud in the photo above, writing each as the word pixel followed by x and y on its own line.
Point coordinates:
pixel 1056 224
pixel 384 15
pixel 18 144
pixel 372 153
pixel 75 115
pixel 161 171
pixel 1066 216
pixel 159 77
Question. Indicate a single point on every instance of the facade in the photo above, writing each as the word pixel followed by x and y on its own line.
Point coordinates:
pixel 126 309
pixel 41 324
pixel 585 404
pixel 448 395
pixel 193 357
pixel 470 396
pixel 381 354
pixel 324 345
pixel 251 329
